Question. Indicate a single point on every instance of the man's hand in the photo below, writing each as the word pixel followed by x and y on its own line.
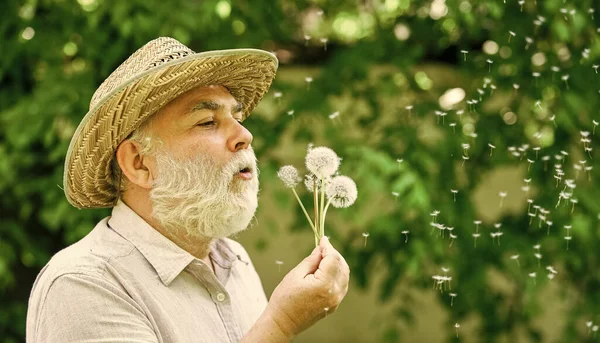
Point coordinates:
pixel 309 292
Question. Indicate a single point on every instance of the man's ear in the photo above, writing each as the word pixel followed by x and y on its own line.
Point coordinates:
pixel 135 166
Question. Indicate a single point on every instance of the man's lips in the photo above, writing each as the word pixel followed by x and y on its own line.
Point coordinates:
pixel 245 174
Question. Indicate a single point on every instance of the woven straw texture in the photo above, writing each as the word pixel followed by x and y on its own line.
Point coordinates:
pixel 154 75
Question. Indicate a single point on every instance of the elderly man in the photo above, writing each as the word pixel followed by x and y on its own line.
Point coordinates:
pixel 164 145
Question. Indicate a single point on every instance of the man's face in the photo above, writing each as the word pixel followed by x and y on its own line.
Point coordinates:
pixel 206 182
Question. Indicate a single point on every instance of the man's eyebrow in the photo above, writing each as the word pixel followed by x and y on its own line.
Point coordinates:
pixel 211 105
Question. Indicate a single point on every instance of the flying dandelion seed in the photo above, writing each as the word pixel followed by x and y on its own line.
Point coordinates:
pixel 464 52
pixel 365 235
pixel 539 257
pixel 595 124
pixel 511 34
pixel 454 192
pixel 489 62
pixel 324 42
pixel 452 296
pixel 453 126
pixel 477 223
pixel 279 264
pixel 589 325
pixel 529 41
pixel 502 196
pixel 565 78
pixel 568 238
pixel 553 120
pixel 465 158
pixel 308 81
pixel 516 258
pixel 475 236
pixel 306 39
pixel 492 147
pixel 533 275
pixel 405 232
pixel 457 326
pixel 452 238
pixel 596 66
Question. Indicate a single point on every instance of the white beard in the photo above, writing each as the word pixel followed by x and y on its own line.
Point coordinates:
pixel 198 199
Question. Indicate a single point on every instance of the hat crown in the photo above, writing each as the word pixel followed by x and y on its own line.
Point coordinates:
pixel 153 54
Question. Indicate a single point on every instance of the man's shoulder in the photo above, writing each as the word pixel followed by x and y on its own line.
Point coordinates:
pixel 89 256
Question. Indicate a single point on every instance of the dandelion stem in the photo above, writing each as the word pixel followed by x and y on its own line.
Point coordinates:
pixel 316 196
pixel 325 211
pixel 322 204
pixel 305 213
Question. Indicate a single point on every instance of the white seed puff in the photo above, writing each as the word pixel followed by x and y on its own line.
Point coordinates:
pixel 289 176
pixel 322 162
pixel 341 191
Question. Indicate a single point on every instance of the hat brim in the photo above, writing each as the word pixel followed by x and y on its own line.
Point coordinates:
pixel 246 73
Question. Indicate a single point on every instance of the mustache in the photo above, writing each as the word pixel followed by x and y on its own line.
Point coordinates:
pixel 242 160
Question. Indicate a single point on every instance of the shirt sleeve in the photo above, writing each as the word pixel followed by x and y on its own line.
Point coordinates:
pixel 88 308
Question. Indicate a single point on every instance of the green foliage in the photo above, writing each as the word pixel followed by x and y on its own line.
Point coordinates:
pixel 372 69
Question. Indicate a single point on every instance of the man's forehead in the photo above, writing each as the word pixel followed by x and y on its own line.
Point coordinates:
pixel 211 96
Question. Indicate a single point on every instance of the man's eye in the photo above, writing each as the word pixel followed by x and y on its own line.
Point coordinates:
pixel 208 123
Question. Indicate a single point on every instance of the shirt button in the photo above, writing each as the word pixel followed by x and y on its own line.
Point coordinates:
pixel 221 297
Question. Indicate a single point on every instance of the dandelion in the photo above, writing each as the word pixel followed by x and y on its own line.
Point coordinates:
pixel 502 196
pixel 322 162
pixel 289 176
pixel 452 296
pixel 365 235
pixel 405 232
pixel 341 191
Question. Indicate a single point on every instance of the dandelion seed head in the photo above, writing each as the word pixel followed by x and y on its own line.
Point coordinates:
pixel 322 162
pixel 341 191
pixel 289 176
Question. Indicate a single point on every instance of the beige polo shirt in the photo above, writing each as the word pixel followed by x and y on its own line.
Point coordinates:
pixel 125 282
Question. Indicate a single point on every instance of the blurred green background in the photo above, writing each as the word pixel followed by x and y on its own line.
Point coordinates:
pixel 483 110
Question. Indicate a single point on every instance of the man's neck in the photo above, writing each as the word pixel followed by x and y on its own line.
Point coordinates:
pixel 197 247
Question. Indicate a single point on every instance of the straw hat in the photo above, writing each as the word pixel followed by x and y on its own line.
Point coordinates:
pixel 154 75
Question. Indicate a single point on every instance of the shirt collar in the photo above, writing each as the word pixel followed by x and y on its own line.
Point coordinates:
pixel 168 259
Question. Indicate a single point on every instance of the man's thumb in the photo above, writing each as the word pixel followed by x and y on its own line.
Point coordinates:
pixel 311 263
